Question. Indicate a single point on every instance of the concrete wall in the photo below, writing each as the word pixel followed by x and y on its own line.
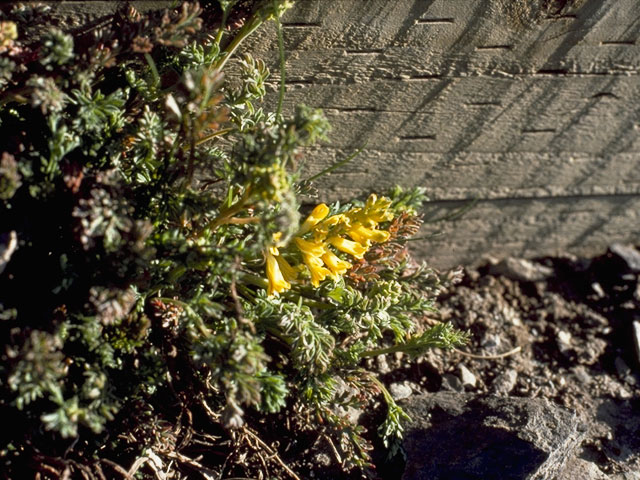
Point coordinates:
pixel 532 107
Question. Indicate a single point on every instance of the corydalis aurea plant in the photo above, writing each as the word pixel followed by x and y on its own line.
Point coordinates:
pixel 153 346
pixel 317 238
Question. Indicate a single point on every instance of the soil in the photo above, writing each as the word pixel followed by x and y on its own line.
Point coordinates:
pixel 573 323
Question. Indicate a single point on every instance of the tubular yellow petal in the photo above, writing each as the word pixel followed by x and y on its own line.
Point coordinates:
pixel 364 235
pixel 321 231
pixel 290 274
pixel 277 283
pixel 317 215
pixel 348 246
pixel 335 263
pixel 316 269
pixel 315 249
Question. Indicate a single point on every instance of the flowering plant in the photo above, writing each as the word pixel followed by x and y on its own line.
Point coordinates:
pixel 165 313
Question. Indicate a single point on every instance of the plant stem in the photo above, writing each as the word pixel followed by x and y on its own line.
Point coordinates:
pixel 282 62
pixel 383 351
pixel 246 30
pixel 227 213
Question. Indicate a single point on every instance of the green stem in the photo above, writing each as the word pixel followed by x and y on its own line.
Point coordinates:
pixel 227 213
pixel 224 131
pixel 385 393
pixel 282 62
pixel 223 24
pixel 246 30
pixel 383 351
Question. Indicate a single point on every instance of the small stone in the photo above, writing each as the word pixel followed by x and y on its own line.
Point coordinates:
pixel 636 338
pixel 598 290
pixel 491 342
pixel 629 255
pixel 400 390
pixel 452 383
pixel 622 368
pixel 582 375
pixel 382 364
pixel 563 339
pixel 8 245
pixel 505 382
pixel 468 378
pixel 521 270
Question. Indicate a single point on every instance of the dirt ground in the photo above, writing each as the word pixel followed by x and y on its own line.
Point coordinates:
pixel 573 321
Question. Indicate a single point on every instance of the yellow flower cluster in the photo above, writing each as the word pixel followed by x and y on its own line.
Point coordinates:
pixel 319 233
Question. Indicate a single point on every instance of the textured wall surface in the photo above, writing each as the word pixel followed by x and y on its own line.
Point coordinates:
pixel 532 107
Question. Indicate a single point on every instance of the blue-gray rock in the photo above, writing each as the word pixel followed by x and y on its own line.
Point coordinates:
pixel 457 436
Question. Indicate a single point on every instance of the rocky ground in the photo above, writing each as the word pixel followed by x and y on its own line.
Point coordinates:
pixel 555 347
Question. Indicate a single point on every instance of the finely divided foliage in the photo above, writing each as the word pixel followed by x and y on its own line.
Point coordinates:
pixel 165 310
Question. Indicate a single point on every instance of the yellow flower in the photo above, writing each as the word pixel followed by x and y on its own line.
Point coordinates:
pixel 364 235
pixel 347 246
pixel 335 263
pixel 315 249
pixel 8 33
pixel 317 215
pixel 316 269
pixel 290 273
pixel 375 211
pixel 277 283
pixel 321 231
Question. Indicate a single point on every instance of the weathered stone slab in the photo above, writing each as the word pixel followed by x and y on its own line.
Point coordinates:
pixel 465 436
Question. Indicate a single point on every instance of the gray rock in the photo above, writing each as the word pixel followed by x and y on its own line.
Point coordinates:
pixel 468 378
pixel 629 255
pixel 579 469
pixel 625 476
pixel 400 390
pixel 471 437
pixel 451 383
pixel 505 382
pixel 382 364
pixel 521 270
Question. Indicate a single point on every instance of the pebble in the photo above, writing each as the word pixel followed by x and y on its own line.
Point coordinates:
pixel 505 382
pixel 491 342
pixel 400 390
pixel 521 270
pixel 621 367
pixel 636 337
pixel 563 339
pixel 629 255
pixel 581 374
pixel 382 364
pixel 468 378
pixel 8 245
pixel 452 383
pixel 597 289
